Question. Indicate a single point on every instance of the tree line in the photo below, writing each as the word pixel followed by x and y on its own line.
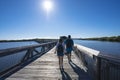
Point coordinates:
pixel 112 38
pixel 37 40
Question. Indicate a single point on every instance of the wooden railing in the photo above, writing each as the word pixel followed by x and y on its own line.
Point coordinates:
pixel 14 57
pixel 99 66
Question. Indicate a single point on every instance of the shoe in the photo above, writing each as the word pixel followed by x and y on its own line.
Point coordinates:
pixel 70 61
pixel 61 66
pixel 61 69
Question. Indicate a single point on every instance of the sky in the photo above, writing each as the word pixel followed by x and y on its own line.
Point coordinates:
pixel 27 19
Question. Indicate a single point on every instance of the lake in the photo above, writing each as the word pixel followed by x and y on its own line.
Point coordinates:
pixel 10 60
pixel 5 45
pixel 112 48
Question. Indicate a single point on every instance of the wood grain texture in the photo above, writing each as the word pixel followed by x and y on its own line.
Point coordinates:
pixel 46 68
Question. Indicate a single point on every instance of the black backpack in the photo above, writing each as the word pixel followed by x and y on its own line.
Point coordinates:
pixel 69 43
pixel 60 48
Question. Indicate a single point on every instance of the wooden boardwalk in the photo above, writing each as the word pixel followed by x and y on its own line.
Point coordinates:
pixel 46 68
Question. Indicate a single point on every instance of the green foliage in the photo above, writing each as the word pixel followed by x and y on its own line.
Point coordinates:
pixel 37 40
pixel 112 38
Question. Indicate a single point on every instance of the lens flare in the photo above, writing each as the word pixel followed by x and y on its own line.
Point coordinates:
pixel 48 5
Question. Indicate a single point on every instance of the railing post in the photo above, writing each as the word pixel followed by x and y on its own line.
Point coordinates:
pixel 98 70
pixel 107 70
pixel 28 55
pixel 31 52
pixel 43 49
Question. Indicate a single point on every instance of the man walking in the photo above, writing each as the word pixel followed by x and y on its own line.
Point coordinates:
pixel 69 47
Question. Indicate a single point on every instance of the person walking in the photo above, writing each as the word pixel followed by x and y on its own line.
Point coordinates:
pixel 69 47
pixel 60 52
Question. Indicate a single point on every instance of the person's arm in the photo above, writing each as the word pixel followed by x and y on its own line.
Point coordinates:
pixel 72 44
pixel 56 48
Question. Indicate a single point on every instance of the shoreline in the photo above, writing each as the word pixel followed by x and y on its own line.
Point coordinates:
pixel 109 39
pixel 37 40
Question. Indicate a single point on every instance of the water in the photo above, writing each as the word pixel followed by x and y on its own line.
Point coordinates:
pixel 112 48
pixel 105 47
pixel 10 60
pixel 5 45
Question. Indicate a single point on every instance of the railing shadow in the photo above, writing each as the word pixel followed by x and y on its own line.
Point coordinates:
pixel 21 66
pixel 65 75
pixel 82 75
pixel 31 53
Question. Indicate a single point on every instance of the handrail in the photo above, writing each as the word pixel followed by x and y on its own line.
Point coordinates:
pixel 10 51
pixel 99 66
pixel 24 54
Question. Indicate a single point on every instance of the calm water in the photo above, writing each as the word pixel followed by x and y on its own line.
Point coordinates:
pixel 112 48
pixel 10 60
pixel 103 46
pixel 5 45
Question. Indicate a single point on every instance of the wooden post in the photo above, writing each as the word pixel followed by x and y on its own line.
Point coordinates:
pixel 98 70
pixel 107 70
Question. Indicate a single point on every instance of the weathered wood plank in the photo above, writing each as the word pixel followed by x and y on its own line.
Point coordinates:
pixel 47 68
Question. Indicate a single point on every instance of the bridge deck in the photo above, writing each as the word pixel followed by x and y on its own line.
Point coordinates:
pixel 46 68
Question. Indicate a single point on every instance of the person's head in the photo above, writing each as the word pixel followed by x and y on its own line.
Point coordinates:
pixel 69 36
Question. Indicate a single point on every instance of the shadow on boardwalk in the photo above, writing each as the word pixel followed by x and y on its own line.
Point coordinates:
pixel 65 76
pixel 82 75
pixel 46 68
pixel 14 70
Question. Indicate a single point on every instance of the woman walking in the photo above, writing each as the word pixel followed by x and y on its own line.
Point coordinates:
pixel 60 52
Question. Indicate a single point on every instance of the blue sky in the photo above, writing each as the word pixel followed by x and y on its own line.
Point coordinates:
pixel 20 19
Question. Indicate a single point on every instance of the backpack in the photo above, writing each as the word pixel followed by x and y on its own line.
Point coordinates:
pixel 60 48
pixel 69 43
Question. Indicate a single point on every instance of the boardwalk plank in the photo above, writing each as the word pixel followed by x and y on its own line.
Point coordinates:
pixel 46 68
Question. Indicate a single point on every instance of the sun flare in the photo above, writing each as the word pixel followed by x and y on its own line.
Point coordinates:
pixel 47 5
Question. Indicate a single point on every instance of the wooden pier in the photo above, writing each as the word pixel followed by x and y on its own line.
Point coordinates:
pixel 46 68
pixel 38 62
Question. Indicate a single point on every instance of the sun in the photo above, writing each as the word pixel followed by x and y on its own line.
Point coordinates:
pixel 48 5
